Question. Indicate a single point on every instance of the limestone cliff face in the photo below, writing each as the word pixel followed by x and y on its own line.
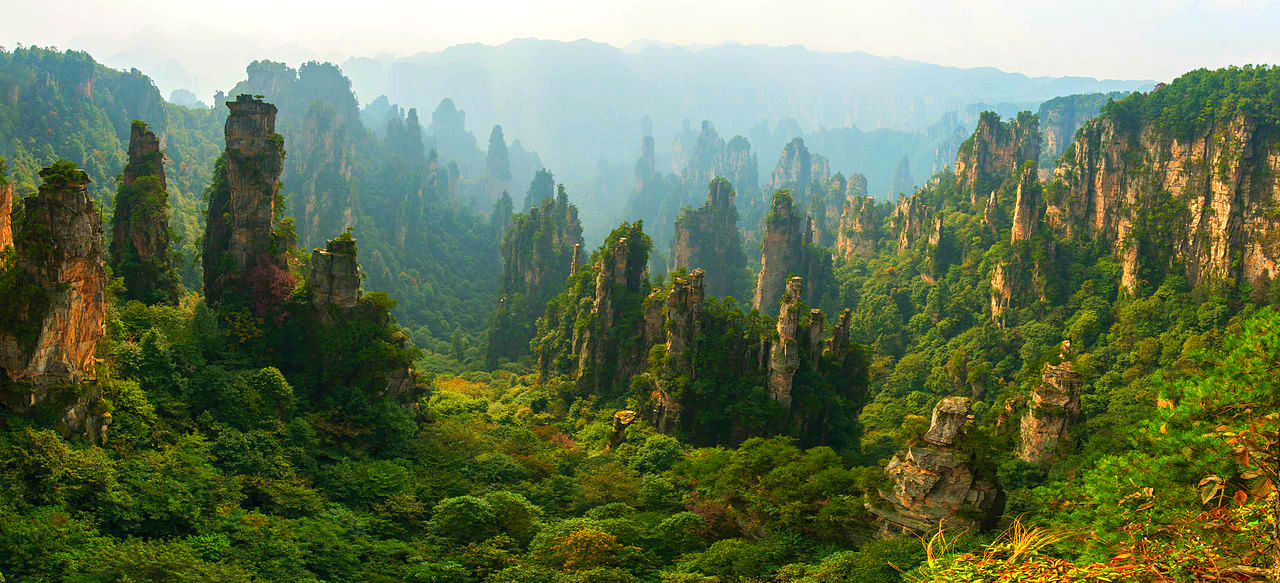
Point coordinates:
pixel 859 228
pixel 707 238
pixel 797 167
pixel 55 316
pixel 1052 408
pixel 936 482
pixel 1204 200
pixel 912 219
pixel 995 149
pixel 139 251
pixel 335 274
pixel 321 155
pixel 856 185
pixel 240 233
pixel 1001 293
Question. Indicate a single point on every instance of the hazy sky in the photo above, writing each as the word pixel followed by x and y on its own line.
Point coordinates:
pixel 1141 39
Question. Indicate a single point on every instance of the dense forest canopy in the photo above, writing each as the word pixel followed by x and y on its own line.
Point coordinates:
pixel 301 340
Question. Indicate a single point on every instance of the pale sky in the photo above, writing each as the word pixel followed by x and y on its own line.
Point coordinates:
pixel 1138 39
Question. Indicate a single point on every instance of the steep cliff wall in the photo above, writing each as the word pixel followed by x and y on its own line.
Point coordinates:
pixel 1052 408
pixel 139 251
pixel 611 353
pixel 707 238
pixel 1203 198
pixel 6 211
pixel 859 228
pixel 995 149
pixel 539 250
pixel 324 198
pixel 1060 117
pixel 780 251
pixel 53 315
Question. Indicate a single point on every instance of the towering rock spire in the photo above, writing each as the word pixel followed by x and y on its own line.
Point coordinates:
pixel 52 316
pixel 784 355
pixel 139 251
pixel 1026 205
pixel 240 235
pixel 708 238
pixel 780 250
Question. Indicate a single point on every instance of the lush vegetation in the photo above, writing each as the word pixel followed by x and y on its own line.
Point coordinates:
pixel 263 438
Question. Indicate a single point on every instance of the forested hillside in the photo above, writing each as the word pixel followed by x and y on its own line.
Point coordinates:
pixel 1013 373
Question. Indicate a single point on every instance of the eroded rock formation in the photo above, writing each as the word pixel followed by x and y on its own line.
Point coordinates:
pixel 798 167
pixel 784 354
pixel 139 251
pixel 1053 406
pixel 786 249
pixel 936 482
pixel 1202 198
pixel 240 236
pixel 620 275
pixel 6 211
pixel 707 238
pixel 321 168
pixel 996 148
pixel 335 274
pixel 859 227
pixel 1026 206
pixel 53 316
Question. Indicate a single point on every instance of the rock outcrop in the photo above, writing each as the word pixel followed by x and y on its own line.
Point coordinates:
pixel 139 251
pixel 711 157
pixel 240 236
pixel 797 167
pixel 707 238
pixel 684 319
pixel 1060 117
pixel 539 250
pixel 604 363
pixel 1026 206
pixel 1052 408
pixel 859 226
pixel 936 483
pixel 786 249
pixel 335 274
pixel 53 314
pixel 784 354
pixel 995 149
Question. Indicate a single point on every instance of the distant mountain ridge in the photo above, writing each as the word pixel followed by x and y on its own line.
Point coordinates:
pixel 576 101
